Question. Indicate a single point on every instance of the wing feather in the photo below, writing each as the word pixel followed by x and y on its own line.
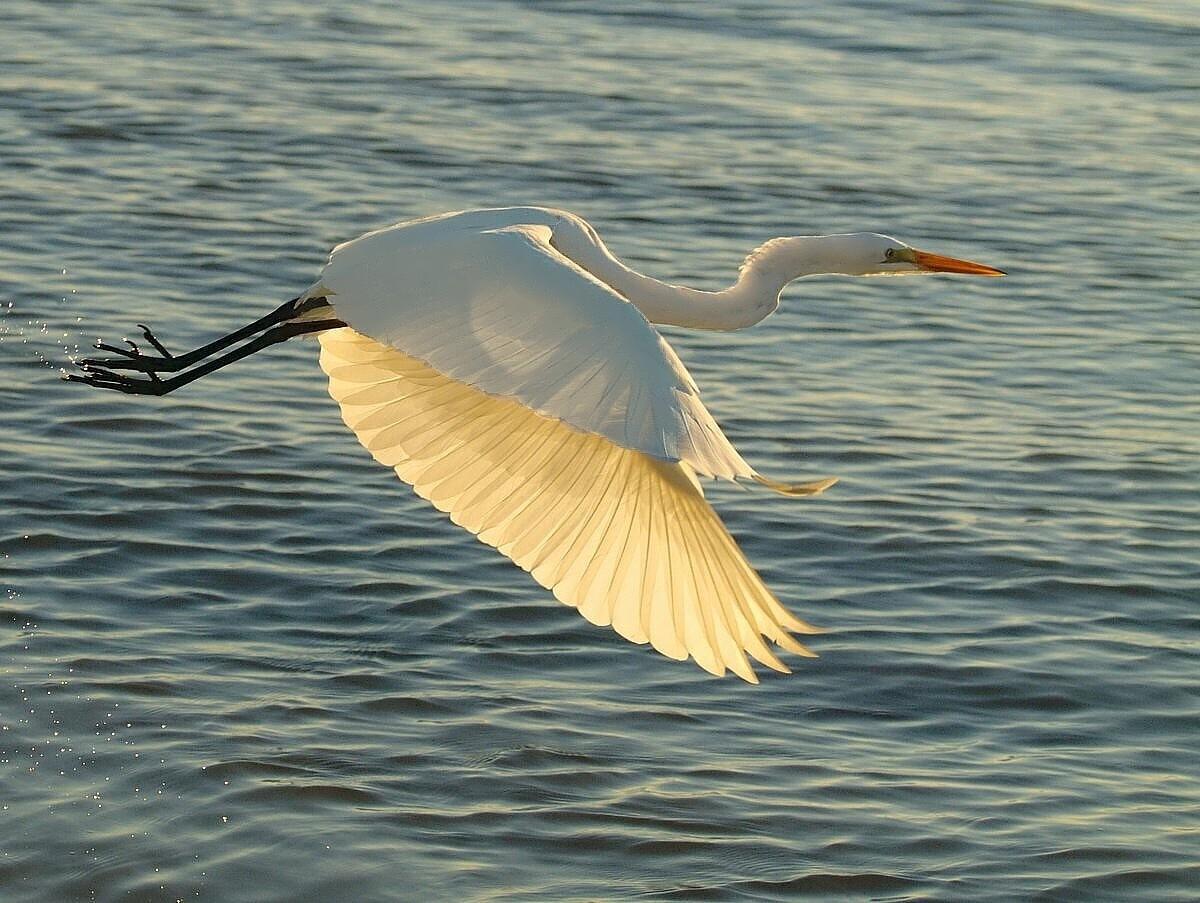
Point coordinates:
pixel 624 537
pixel 505 312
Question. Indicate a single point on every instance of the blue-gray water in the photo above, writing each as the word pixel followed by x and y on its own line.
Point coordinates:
pixel 241 661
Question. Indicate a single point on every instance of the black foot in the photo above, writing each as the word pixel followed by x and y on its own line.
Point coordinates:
pixel 132 358
pixel 104 378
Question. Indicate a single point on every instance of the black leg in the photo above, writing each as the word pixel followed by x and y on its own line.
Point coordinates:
pixel 103 377
pixel 169 363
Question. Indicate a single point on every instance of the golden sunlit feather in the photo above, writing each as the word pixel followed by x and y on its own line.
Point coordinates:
pixel 624 537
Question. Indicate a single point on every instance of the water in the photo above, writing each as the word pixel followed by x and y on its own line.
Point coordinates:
pixel 241 662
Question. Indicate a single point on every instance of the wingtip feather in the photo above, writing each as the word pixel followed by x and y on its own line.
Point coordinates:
pixel 795 490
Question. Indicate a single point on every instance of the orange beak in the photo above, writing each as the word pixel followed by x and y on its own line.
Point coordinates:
pixel 939 264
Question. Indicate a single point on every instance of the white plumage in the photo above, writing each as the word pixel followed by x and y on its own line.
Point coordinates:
pixel 493 304
pixel 538 407
pixel 503 362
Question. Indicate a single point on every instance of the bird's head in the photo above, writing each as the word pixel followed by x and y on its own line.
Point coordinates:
pixel 872 254
pixel 851 254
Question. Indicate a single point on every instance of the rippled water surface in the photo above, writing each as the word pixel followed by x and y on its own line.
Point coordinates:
pixel 242 662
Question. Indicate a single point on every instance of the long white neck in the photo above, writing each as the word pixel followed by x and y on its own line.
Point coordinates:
pixel 750 299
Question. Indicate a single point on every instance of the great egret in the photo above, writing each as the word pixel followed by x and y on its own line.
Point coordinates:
pixel 504 363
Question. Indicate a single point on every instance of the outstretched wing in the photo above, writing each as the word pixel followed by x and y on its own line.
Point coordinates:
pixel 624 536
pixel 503 311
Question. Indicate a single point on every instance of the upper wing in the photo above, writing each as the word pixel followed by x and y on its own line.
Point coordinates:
pixel 503 311
pixel 624 537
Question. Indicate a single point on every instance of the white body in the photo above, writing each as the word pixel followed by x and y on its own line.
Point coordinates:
pixel 504 363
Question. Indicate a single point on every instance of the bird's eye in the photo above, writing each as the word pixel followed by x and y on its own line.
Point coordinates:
pixel 889 254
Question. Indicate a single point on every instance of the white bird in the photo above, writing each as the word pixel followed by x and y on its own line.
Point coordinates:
pixel 506 365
